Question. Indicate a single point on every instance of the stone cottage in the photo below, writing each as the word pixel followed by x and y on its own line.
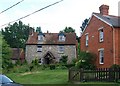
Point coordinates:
pixel 48 47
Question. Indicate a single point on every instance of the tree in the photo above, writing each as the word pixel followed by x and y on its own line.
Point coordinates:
pixel 84 24
pixel 16 35
pixel 38 29
pixel 86 60
pixel 6 54
pixel 68 30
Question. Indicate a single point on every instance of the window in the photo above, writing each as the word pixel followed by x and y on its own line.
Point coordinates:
pixel 41 61
pixel 40 37
pixel 101 56
pixel 61 38
pixel 101 35
pixel 86 43
pixel 61 48
pixel 39 48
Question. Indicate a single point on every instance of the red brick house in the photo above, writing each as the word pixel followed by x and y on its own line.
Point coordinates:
pixel 102 37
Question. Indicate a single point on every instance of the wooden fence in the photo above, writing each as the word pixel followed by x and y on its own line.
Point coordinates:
pixel 101 74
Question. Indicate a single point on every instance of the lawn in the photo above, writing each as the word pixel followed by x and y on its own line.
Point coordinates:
pixel 57 76
pixel 41 77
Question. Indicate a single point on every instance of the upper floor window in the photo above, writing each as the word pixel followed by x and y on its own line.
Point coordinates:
pixel 61 48
pixel 101 35
pixel 101 56
pixel 86 39
pixel 39 48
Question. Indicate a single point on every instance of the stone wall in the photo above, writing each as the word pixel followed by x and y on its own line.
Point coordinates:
pixel 31 52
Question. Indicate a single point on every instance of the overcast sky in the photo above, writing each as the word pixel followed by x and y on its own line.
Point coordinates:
pixel 70 13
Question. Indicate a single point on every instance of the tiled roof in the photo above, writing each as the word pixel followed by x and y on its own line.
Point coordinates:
pixel 16 53
pixel 112 20
pixel 52 38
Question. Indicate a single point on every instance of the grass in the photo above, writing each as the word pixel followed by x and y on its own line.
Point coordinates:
pixel 41 77
pixel 57 76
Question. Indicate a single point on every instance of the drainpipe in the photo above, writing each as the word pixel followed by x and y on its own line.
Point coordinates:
pixel 113 45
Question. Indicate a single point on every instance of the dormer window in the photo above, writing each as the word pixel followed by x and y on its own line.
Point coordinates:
pixel 40 36
pixel 62 37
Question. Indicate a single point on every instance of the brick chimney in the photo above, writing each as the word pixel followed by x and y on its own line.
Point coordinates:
pixel 31 31
pixel 104 9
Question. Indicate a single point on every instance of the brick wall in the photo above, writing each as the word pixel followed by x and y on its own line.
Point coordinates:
pixel 94 45
pixel 117 45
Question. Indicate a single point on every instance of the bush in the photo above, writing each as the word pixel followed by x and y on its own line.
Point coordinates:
pixel 85 61
pixel 115 66
pixel 64 59
pixel 52 66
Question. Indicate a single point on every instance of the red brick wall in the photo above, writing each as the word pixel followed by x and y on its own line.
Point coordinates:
pixel 117 45
pixel 94 44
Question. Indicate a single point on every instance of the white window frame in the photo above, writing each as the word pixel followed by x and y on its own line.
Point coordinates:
pixel 61 49
pixel 101 35
pixel 39 48
pixel 40 38
pixel 101 56
pixel 61 38
pixel 86 39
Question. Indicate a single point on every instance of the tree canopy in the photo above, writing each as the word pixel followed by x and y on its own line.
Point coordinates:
pixel 6 53
pixel 84 24
pixel 16 34
pixel 68 30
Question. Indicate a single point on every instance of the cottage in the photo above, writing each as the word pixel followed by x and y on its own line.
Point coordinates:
pixel 102 37
pixel 48 47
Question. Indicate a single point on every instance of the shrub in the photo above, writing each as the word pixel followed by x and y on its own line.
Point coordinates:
pixel 64 59
pixel 52 66
pixel 85 60
pixel 115 66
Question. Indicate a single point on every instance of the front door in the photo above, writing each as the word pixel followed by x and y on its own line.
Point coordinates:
pixel 48 58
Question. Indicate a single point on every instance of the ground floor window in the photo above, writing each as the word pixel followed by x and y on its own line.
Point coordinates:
pixel 101 56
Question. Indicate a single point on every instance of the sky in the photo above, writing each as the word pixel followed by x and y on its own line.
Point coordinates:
pixel 68 13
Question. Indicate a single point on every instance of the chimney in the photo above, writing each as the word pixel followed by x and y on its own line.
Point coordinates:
pixel 47 31
pixel 104 9
pixel 31 31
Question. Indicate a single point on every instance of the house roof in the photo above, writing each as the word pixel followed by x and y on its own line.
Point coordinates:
pixel 16 53
pixel 52 38
pixel 109 19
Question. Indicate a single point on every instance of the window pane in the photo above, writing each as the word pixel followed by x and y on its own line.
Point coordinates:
pixel 101 56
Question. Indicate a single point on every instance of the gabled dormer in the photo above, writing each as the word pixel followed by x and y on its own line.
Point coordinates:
pixel 41 36
pixel 61 37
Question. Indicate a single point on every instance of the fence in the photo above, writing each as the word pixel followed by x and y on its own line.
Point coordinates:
pixel 101 74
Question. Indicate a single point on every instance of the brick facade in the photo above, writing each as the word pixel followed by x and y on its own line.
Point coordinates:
pixel 110 43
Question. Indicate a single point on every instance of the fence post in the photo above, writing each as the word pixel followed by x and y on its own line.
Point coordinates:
pixel 69 75
pixel 81 74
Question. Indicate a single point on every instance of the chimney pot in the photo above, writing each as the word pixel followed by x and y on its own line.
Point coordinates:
pixel 104 9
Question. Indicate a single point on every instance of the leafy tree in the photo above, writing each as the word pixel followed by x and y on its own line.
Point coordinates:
pixel 38 29
pixel 6 54
pixel 86 60
pixel 16 34
pixel 84 24
pixel 68 30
